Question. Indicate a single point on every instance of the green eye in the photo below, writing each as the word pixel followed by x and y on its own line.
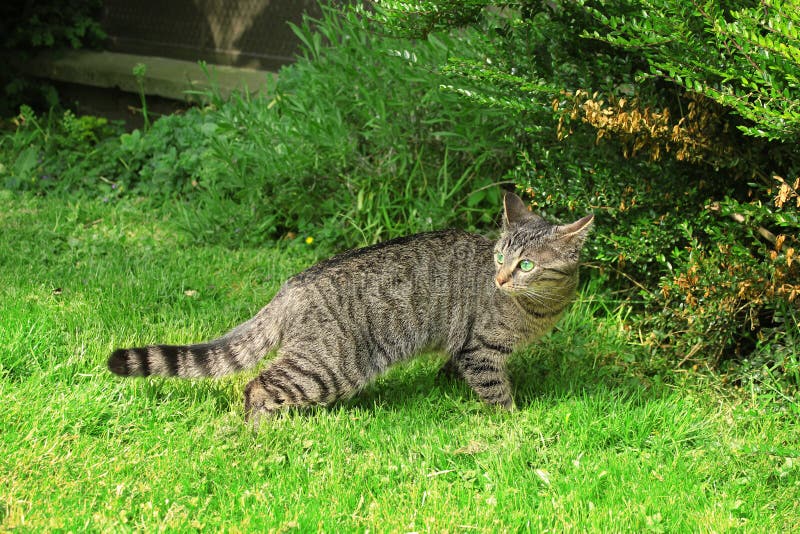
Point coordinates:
pixel 499 258
pixel 526 265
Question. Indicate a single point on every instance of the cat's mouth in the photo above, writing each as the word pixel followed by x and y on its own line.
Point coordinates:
pixel 510 290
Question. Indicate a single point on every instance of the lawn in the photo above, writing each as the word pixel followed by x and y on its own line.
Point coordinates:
pixel 593 447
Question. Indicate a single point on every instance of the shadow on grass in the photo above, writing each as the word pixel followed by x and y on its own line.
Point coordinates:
pixel 545 374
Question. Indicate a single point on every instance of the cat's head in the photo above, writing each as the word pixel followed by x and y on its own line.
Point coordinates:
pixel 533 256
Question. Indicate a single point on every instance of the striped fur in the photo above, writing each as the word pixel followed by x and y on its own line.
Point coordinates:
pixel 348 319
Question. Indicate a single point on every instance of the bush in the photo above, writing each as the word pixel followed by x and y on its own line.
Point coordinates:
pixel 677 144
pixel 356 143
pixel 59 152
pixel 331 150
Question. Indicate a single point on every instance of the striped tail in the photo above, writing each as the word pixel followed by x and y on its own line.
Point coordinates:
pixel 239 349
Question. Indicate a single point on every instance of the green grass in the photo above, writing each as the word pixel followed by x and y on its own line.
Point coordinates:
pixel 592 447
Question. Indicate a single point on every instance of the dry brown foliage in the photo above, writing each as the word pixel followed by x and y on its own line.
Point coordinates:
pixel 695 136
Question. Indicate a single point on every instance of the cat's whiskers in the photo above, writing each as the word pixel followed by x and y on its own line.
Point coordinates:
pixel 546 300
pixel 543 296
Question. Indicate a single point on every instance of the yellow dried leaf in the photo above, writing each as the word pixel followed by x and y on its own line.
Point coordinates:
pixel 783 195
pixel 779 242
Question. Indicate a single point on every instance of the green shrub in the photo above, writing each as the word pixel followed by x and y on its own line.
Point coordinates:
pixel 354 143
pixel 673 142
pixel 743 54
pixel 59 152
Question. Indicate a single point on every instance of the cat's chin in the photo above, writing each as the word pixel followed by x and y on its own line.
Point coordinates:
pixel 512 291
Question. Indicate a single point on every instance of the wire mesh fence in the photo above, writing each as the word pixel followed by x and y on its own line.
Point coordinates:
pixel 244 33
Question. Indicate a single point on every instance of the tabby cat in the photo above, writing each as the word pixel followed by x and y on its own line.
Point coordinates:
pixel 347 319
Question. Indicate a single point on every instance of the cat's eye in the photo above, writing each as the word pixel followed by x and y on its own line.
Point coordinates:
pixel 499 258
pixel 526 265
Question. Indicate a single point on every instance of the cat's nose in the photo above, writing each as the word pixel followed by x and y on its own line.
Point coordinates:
pixel 501 279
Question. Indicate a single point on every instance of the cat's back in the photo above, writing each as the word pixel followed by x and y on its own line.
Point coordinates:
pixel 428 256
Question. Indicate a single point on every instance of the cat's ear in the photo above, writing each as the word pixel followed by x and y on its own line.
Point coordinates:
pixel 515 211
pixel 575 232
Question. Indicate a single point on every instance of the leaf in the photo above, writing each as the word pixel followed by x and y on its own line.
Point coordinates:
pixel 26 163
pixel 475 198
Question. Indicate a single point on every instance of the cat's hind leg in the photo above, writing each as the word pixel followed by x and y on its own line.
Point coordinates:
pixel 295 380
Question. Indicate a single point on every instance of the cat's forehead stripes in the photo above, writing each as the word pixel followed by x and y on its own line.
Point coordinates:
pixel 539 241
pixel 520 238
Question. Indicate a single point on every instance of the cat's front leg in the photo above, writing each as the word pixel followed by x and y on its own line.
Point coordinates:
pixel 486 373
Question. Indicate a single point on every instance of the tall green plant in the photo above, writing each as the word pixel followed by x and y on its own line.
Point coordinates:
pixel 356 142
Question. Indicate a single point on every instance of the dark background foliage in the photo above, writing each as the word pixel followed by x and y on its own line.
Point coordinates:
pixel 27 27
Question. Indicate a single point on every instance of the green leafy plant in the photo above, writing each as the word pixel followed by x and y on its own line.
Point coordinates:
pixel 341 158
pixel 744 55
pixel 60 152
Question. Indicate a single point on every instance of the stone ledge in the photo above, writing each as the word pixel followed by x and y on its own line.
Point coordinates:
pixel 164 77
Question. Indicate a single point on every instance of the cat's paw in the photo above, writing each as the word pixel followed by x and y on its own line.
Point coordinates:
pixel 259 404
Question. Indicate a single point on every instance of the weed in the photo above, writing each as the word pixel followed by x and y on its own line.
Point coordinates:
pixel 139 72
